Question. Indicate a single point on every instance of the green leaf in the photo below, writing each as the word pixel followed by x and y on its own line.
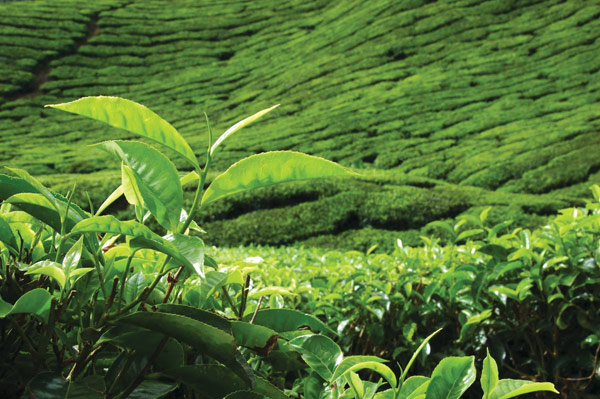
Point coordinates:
pixel 50 269
pixel 204 316
pixel 489 375
pixel 451 378
pixel 150 389
pixel 259 338
pixel 283 320
pixel 47 385
pixel 36 302
pixel 7 236
pixel 38 206
pixel 320 353
pixel 38 187
pixel 192 248
pixel 510 388
pixel 131 116
pixel 412 385
pixel 238 126
pixel 131 190
pixel 210 340
pixel 110 199
pixel 155 176
pixel 264 387
pixel 144 237
pixel 245 395
pixel 355 363
pixel 269 168
pixel 145 342
pixel 71 259
pixel 213 380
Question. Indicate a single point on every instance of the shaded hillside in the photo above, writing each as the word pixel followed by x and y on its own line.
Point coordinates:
pixel 447 106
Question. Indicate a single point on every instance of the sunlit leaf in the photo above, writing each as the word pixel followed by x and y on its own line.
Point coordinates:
pixel 269 168
pixel 451 378
pixel 489 375
pixel 320 353
pixel 131 116
pixel 192 248
pixel 50 269
pixel 152 176
pixel 36 301
pixel 510 388
pixel 356 363
pixel 239 125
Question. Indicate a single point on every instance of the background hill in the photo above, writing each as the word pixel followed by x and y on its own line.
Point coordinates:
pixel 447 107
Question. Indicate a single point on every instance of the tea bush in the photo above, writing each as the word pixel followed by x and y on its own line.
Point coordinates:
pixel 96 307
pixel 528 296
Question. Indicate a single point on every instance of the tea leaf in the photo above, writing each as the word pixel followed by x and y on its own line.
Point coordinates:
pixel 36 301
pixel 131 116
pixel 153 177
pixel 355 363
pixel 283 320
pixel 270 168
pixel 509 388
pixel 238 126
pixel 192 248
pixel 489 376
pixel 451 378
pixel 320 353
pixel 7 236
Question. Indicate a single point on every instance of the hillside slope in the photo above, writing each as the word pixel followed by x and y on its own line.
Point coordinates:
pixel 447 106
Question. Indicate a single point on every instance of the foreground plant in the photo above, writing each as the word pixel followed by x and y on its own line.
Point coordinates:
pixel 96 307
pixel 93 306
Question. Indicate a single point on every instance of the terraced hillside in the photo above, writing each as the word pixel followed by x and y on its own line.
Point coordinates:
pixel 445 106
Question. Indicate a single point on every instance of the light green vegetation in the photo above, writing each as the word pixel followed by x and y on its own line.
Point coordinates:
pixel 429 99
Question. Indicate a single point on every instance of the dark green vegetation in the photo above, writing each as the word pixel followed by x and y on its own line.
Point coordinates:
pixel 456 104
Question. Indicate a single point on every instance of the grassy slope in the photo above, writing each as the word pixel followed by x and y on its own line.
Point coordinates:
pixel 448 106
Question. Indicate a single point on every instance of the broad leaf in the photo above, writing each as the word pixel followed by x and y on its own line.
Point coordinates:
pixel 355 363
pixel 253 336
pixel 239 125
pixel 320 353
pixel 192 248
pixel 245 395
pixel 144 237
pixel 71 259
pixel 510 388
pixel 451 378
pixel 213 380
pixel 270 168
pixel 7 236
pixel 50 269
pixel 36 302
pixel 489 376
pixel 150 389
pixel 413 384
pixel 210 340
pixel 283 320
pixel 47 385
pixel 155 177
pixel 204 316
pixel 131 116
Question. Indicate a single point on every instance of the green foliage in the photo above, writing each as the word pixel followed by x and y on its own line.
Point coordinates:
pixel 492 95
pixel 75 287
pixel 526 295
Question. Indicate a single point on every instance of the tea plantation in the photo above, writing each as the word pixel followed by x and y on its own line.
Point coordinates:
pixel 445 107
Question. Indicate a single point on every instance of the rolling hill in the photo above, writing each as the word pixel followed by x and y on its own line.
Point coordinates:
pixel 445 107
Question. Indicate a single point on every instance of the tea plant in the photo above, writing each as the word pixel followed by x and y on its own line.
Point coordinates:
pixel 93 306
